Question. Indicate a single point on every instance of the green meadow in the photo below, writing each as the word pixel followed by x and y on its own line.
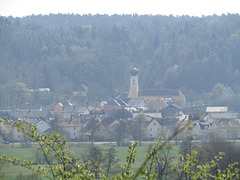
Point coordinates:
pixel 11 172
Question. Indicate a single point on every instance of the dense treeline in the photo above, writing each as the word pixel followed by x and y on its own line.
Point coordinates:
pixel 62 52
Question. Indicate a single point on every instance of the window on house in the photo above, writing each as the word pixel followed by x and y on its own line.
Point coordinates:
pixel 150 135
pixel 150 129
pixel 74 128
pixel 154 123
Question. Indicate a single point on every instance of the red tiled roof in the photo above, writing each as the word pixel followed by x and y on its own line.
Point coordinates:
pixel 158 92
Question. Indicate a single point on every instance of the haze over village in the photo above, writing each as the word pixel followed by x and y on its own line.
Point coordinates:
pixel 158 110
pixel 123 90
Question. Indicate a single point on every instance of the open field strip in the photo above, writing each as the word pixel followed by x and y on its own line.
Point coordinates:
pixel 29 154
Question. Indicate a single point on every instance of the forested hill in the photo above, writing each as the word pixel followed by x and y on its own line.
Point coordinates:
pixel 62 52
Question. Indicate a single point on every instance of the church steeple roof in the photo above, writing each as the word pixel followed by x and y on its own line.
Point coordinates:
pixel 134 71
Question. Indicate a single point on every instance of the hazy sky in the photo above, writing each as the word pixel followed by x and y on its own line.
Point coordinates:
pixel 19 8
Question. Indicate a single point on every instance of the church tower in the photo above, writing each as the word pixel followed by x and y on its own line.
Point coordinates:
pixel 133 92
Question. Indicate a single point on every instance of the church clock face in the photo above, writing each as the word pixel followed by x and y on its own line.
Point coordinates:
pixel 133 82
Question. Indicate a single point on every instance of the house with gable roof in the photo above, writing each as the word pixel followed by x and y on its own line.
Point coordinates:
pixel 28 113
pixel 171 111
pixel 154 129
pixel 66 109
pixel 219 113
pixel 68 112
pixel 100 106
pixel 115 104
pixel 228 129
pixel 71 130
pixel 57 109
pixel 216 109
pixel 137 102
pixel 42 126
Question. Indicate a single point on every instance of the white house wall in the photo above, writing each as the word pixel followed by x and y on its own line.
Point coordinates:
pixel 154 129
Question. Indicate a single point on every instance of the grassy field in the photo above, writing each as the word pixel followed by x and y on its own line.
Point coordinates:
pixel 11 172
pixel 29 154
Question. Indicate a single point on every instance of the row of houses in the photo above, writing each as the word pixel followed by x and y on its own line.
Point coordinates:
pixel 160 107
pixel 218 121
pixel 75 122
pixel 41 116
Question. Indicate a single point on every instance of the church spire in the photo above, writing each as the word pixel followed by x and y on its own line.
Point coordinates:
pixel 133 91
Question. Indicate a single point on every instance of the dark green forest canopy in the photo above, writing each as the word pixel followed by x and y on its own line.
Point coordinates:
pixel 62 52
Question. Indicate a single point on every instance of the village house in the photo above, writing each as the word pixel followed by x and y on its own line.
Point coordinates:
pixel 227 129
pixel 42 126
pixel 216 109
pixel 11 133
pixel 157 115
pixel 200 129
pixel 71 130
pixel 57 109
pixel 219 113
pixel 155 130
pixel 66 110
pixel 171 111
pixel 100 107
pixel 28 113
pixel 115 104
pixel 211 117
pixel 137 102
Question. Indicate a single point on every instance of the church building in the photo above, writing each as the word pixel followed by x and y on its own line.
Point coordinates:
pixel 157 99
pixel 154 96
